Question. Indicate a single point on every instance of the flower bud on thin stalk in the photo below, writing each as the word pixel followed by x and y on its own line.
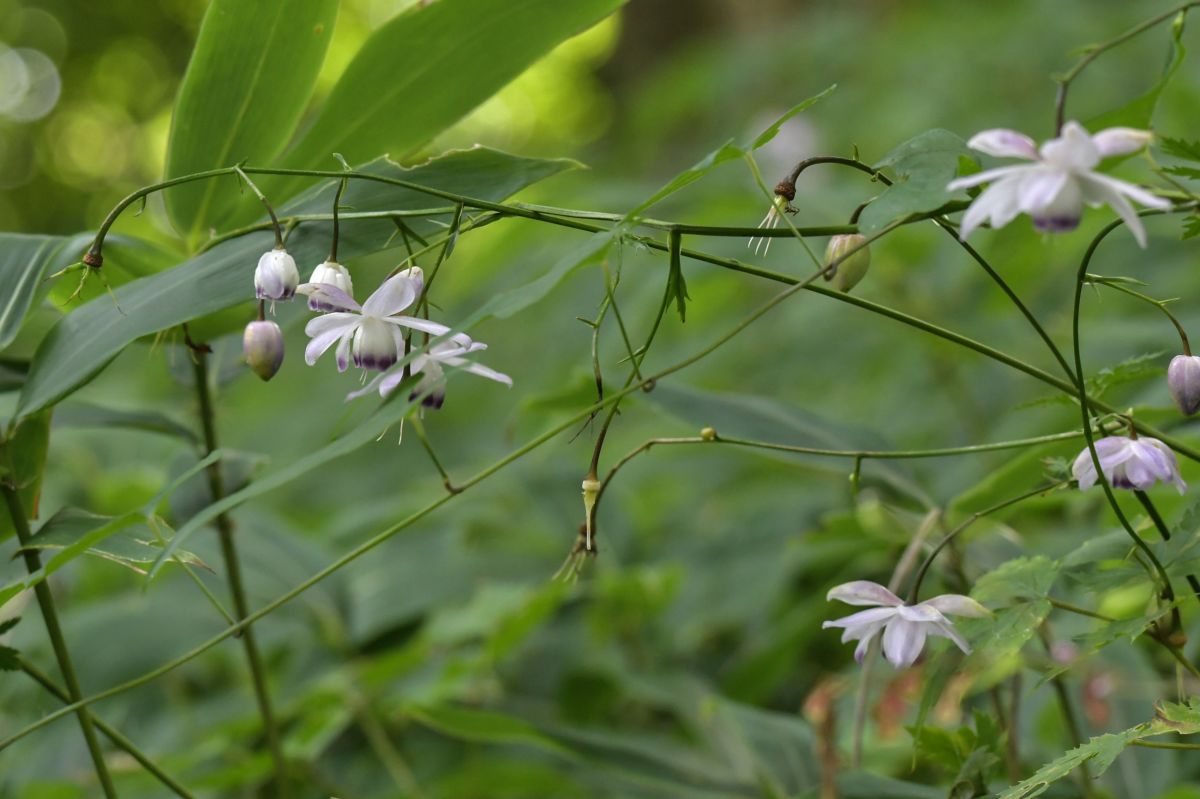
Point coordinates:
pixel 1183 381
pixel 262 345
pixel 330 273
pixel 847 259
pixel 276 276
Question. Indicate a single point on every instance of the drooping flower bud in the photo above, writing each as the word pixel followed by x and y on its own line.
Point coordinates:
pixel 1183 380
pixel 847 273
pixel 329 273
pixel 262 345
pixel 276 276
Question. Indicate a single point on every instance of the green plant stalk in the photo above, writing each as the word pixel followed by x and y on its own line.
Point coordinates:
pixel 1167 590
pixel 234 573
pixel 386 534
pixel 110 732
pixel 45 601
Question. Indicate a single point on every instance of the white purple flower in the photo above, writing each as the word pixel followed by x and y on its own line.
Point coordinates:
pixel 370 334
pixel 904 627
pixel 431 388
pixel 276 276
pixel 333 274
pixel 1183 381
pixel 1061 180
pixel 1133 463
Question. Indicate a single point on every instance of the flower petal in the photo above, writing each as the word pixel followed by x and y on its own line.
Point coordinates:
pixel 1101 193
pixel 1121 141
pixel 998 204
pixel 958 605
pixel 328 331
pixel 393 296
pixel 987 176
pixel 857 620
pixel 416 323
pixel 947 630
pixel 903 641
pixel 329 296
pixel 478 369
pixel 1004 143
pixel 863 592
pixel 1038 189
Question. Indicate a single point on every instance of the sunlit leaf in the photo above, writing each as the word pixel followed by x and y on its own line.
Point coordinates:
pixel 922 167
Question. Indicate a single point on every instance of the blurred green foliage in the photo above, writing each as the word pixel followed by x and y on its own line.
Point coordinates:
pixel 689 659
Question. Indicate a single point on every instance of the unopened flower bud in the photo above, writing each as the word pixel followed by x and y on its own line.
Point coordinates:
pixel 847 273
pixel 708 434
pixel 262 345
pixel 329 273
pixel 1183 380
pixel 276 276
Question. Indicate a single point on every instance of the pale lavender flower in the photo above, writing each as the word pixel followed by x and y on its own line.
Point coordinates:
pixel 369 334
pixel 1133 463
pixel 276 276
pixel 331 273
pixel 904 627
pixel 1183 380
pixel 429 365
pixel 1062 180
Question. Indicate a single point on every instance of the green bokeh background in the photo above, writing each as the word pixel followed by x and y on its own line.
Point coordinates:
pixel 681 662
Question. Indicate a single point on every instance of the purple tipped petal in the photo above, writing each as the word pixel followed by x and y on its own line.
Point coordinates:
pixel 863 592
pixel 958 605
pixel 1004 143
pixel 393 296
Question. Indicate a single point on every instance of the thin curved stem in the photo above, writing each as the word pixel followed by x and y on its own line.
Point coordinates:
pixel 233 570
pixel 1100 280
pixel 110 732
pixel 1167 591
pixel 58 641
pixel 1064 81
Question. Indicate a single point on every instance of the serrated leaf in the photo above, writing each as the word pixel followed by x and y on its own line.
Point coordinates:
pixel 1189 150
pixel 922 166
pixel 248 81
pixel 1017 579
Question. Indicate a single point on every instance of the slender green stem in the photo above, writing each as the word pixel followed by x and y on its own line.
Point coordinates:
pixel 915 592
pixel 58 642
pixel 386 534
pixel 335 213
pixel 234 574
pixel 266 204
pixel 110 732
pixel 1067 606
pixel 1166 745
pixel 1164 531
pixel 1064 80
pixel 1159 304
pixel 1167 590
pixel 419 426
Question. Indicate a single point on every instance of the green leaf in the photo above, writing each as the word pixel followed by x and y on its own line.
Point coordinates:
pixel 483 726
pixel 676 284
pixel 514 300
pixel 23 265
pixel 726 152
pixel 427 67
pixel 1018 579
pixel 22 462
pixel 1100 752
pixel 248 81
pixel 79 414
pixel 84 341
pixel 922 167
pixel 1139 112
pixel 128 541
pixel 1188 150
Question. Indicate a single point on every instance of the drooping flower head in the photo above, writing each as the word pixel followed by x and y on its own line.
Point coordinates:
pixel 1061 180
pixel 333 274
pixel 431 388
pixel 1183 381
pixel 1131 463
pixel 369 334
pixel 904 627
pixel 276 276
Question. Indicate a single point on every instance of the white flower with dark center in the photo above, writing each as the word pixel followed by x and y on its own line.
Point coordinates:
pixel 333 274
pixel 370 334
pixel 904 627
pixel 1061 180
pixel 276 276
pixel 431 388
pixel 1133 463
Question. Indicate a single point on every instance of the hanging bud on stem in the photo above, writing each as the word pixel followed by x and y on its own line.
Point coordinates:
pixel 847 259
pixel 276 276
pixel 262 345
pixel 1183 380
